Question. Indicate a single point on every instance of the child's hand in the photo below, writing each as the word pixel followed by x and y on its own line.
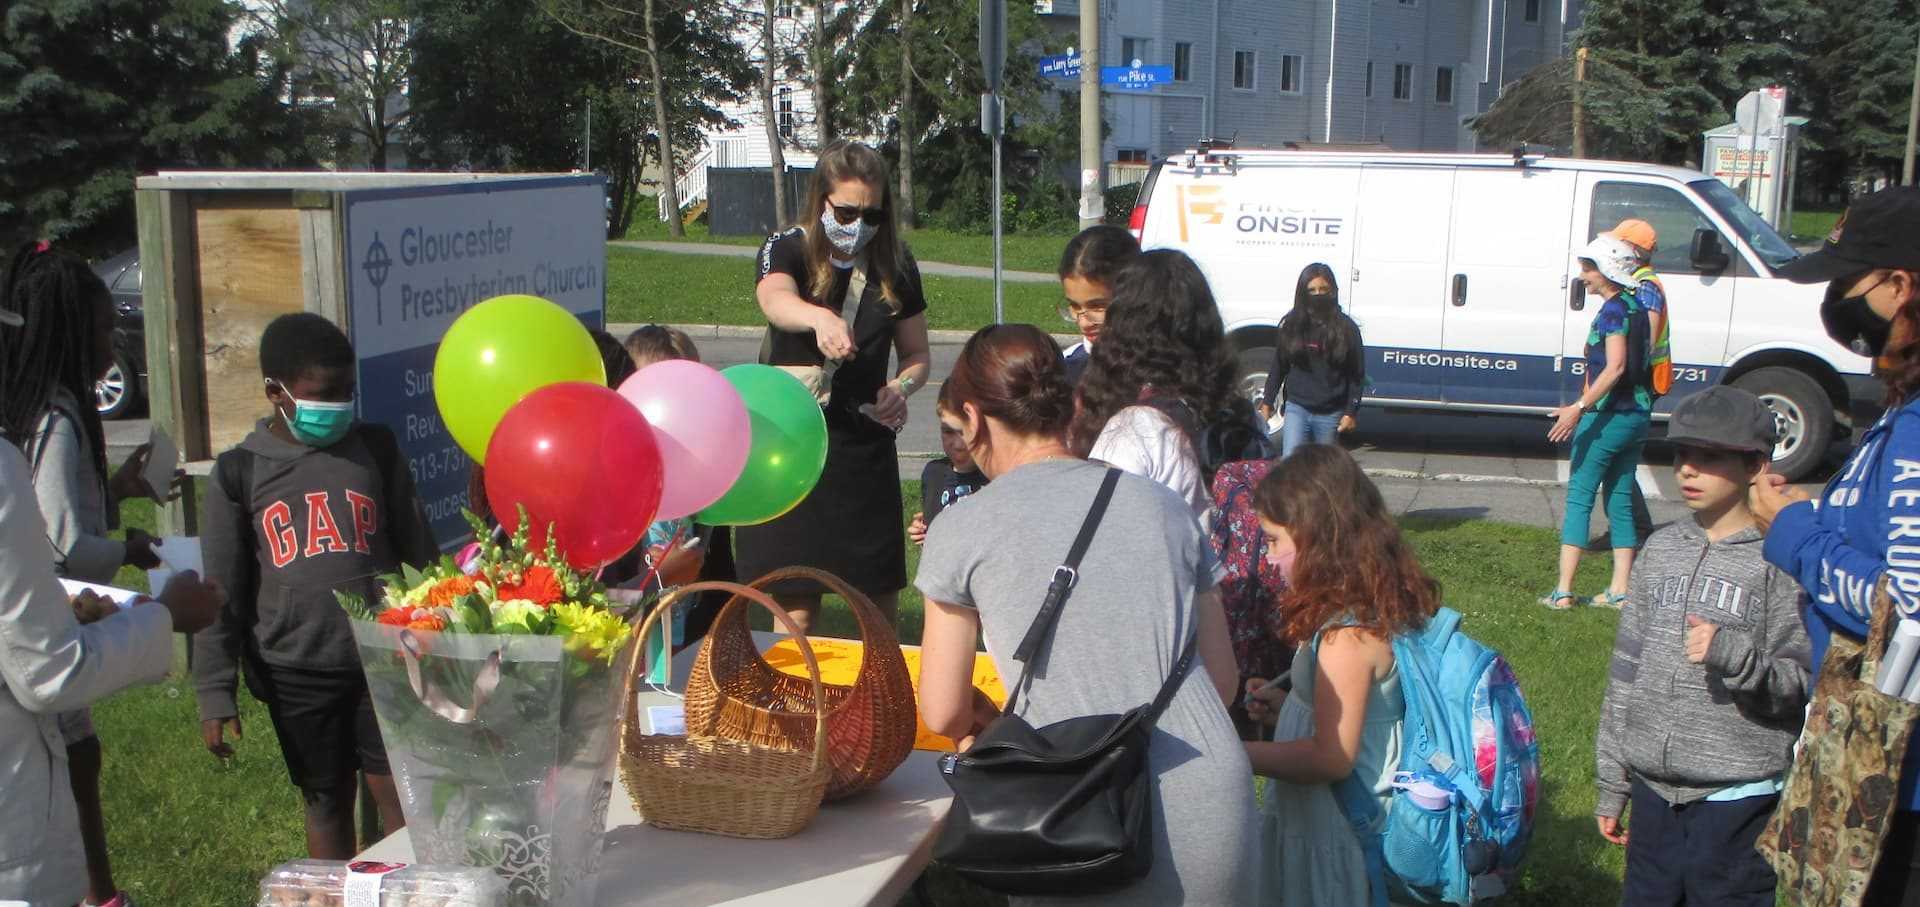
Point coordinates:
pixel 211 732
pixel 917 530
pixel 1263 700
pixel 678 567
pixel 1699 638
pixel 140 550
pixel 90 607
pixel 1612 829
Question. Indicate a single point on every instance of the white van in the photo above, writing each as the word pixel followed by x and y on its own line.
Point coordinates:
pixel 1459 271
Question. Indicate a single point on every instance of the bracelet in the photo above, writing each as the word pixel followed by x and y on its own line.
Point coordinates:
pixel 907 385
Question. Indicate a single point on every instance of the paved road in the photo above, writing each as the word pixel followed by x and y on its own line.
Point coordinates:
pixel 1478 467
pixel 926 267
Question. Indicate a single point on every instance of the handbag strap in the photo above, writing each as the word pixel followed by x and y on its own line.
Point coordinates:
pixel 1064 578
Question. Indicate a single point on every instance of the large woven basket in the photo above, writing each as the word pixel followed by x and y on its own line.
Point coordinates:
pixel 737 788
pixel 734 694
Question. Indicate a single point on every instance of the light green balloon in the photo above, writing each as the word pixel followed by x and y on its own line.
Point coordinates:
pixel 789 448
pixel 500 351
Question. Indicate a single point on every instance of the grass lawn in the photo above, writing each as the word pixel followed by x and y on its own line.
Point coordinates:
pixel 187 831
pixel 662 287
pixel 1023 251
pixel 1812 226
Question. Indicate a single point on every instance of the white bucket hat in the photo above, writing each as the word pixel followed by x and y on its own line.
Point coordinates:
pixel 1612 257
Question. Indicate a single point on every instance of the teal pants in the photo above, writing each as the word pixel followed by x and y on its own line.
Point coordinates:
pixel 1606 452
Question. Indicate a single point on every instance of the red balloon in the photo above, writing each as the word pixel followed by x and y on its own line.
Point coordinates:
pixel 581 458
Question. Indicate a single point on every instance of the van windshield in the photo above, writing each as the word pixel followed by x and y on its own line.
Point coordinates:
pixel 1760 235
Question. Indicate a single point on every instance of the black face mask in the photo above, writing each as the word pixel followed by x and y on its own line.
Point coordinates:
pixel 1851 322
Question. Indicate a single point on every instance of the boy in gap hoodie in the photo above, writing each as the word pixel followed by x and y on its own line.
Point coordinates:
pixel 309 504
pixel 1709 679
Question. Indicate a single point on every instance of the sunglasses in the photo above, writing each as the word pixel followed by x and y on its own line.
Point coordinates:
pixel 846 214
pixel 1074 311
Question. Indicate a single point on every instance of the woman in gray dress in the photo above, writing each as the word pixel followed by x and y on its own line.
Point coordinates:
pixel 1145 586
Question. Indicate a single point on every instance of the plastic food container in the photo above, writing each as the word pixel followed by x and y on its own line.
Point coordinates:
pixel 328 883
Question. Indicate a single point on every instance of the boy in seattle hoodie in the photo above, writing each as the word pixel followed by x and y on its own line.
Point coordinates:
pixel 1709 679
pixel 309 504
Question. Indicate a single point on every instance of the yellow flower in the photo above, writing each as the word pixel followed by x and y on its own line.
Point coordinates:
pixel 590 632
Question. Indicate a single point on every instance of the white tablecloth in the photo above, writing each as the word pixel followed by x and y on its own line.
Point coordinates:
pixel 864 850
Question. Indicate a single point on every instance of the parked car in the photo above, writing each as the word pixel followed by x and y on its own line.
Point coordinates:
pixel 124 388
pixel 1459 270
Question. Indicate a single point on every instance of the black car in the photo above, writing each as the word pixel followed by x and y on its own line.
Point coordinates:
pixel 121 392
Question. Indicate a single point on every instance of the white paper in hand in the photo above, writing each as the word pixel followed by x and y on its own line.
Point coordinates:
pixel 161 463
pixel 181 552
pixel 122 597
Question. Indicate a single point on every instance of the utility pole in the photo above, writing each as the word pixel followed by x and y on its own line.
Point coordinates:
pixel 993 60
pixel 1579 103
pixel 1913 118
pixel 586 141
pixel 1093 205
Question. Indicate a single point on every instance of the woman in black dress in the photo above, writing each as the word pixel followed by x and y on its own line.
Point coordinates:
pixel 846 235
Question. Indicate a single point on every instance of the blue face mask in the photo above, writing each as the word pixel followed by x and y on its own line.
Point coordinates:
pixel 316 423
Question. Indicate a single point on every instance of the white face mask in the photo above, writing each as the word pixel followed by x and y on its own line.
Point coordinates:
pixel 849 239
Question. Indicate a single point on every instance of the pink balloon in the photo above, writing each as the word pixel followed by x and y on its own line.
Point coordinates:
pixel 701 427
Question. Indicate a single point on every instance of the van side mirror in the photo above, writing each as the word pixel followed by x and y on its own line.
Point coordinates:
pixel 1709 254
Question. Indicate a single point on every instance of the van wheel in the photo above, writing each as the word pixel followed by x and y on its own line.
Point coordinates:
pixel 1254 364
pixel 1801 410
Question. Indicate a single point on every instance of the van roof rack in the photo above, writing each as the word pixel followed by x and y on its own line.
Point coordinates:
pixel 1524 155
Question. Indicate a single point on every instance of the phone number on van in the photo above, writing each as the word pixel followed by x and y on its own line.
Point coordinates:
pixel 1449 360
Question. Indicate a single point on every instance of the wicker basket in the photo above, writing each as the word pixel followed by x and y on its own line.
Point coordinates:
pixel 716 786
pixel 734 694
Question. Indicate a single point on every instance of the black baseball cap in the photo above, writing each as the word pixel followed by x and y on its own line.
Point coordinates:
pixel 1878 231
pixel 1724 418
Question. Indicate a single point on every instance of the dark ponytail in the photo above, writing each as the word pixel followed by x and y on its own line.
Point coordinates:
pixel 59 299
pixel 1014 373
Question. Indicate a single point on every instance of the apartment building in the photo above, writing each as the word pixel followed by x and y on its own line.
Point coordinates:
pixel 1407 74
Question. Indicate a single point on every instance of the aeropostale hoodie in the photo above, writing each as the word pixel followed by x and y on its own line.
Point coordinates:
pixel 311 521
pixel 1687 730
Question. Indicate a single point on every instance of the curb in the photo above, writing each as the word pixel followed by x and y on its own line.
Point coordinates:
pixel 747 332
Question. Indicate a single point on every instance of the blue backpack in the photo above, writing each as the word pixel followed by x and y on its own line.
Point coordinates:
pixel 1468 732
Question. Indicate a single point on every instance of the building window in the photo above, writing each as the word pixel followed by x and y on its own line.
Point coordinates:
pixel 1369 90
pixel 1290 74
pixel 786 9
pixel 1132 49
pixel 785 110
pixel 1533 11
pixel 1443 85
pixel 1246 69
pixel 1132 155
pixel 1409 2
pixel 1182 61
pixel 1403 81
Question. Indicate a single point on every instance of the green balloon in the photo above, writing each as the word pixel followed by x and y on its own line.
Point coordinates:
pixel 500 351
pixel 789 448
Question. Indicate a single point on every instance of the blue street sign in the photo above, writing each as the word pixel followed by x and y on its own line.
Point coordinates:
pixel 1128 78
pixel 1061 66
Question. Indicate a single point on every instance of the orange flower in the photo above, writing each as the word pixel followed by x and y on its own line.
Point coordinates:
pixel 538 585
pixel 449 591
pixel 395 617
pixel 431 622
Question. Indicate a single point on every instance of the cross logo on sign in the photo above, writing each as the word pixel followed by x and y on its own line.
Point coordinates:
pixel 377 264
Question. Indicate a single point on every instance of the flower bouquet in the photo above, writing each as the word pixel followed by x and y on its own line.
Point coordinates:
pixel 494 677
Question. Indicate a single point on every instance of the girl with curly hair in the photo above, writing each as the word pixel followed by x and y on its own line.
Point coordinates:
pixel 1353 585
pixel 1162 371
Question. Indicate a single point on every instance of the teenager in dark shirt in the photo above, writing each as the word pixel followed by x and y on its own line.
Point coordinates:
pixel 1087 267
pixel 310 503
pixel 1319 359
pixel 946 479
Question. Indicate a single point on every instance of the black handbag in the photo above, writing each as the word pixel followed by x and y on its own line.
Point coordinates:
pixel 1062 809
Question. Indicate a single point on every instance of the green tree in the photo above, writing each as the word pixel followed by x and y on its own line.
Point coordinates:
pixel 687 57
pixel 354 55
pixel 95 93
pixel 1660 73
pixel 1859 67
pixel 935 110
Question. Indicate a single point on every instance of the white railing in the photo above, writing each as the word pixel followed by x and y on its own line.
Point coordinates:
pixel 692 188
pixel 1126 174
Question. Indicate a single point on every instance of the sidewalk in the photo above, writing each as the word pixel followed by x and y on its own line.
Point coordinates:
pixel 941 269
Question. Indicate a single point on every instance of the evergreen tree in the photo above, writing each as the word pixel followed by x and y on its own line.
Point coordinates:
pixel 96 92
pixel 1859 66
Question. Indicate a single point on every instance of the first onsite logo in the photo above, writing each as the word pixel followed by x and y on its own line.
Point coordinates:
pixel 377 264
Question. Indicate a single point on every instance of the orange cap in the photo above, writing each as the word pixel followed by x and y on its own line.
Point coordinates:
pixel 1638 232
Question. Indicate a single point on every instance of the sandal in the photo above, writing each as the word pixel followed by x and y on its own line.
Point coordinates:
pixel 1608 600
pixel 1557 600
